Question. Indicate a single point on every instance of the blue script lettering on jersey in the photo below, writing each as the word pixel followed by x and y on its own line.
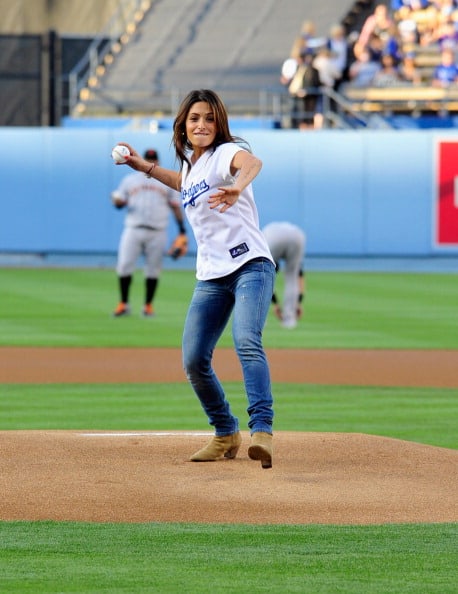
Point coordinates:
pixel 190 195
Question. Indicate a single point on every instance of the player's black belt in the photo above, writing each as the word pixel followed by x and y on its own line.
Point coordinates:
pixel 147 227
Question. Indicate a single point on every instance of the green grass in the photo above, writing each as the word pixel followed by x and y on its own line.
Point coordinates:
pixel 415 414
pixel 208 559
pixel 342 310
pixel 60 307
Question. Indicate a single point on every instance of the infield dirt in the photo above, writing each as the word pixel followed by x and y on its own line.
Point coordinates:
pixel 331 478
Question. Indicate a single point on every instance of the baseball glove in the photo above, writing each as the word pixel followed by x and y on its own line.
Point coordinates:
pixel 179 247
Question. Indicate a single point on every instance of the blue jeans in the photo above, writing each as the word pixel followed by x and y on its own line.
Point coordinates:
pixel 247 294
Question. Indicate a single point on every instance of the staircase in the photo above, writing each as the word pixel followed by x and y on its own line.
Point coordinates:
pixel 235 47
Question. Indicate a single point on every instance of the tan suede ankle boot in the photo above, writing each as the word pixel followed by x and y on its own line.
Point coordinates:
pixel 217 447
pixel 261 448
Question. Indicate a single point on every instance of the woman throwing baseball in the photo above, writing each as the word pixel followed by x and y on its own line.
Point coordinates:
pixel 235 271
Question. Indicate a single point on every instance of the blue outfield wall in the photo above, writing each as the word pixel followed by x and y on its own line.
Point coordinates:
pixel 354 193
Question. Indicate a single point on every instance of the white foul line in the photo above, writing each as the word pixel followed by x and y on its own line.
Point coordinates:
pixel 147 434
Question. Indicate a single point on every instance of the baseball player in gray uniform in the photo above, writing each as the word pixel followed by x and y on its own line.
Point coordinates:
pixel 148 204
pixel 287 243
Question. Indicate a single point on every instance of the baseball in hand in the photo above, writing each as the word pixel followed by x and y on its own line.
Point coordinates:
pixel 119 153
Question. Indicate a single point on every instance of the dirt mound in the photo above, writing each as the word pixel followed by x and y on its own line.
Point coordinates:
pixel 330 478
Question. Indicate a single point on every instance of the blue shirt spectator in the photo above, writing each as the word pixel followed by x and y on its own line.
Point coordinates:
pixel 446 73
pixel 412 4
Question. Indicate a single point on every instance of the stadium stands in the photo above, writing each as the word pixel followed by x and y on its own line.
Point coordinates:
pixel 420 34
pixel 151 52
pixel 234 47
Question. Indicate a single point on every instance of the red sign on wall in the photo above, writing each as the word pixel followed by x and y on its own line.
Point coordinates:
pixel 447 194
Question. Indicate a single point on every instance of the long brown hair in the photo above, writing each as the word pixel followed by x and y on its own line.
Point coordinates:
pixel 223 134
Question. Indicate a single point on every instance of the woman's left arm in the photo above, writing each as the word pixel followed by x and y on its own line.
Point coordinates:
pixel 248 167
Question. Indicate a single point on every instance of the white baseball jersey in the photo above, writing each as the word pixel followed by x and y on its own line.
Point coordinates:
pixel 225 241
pixel 148 201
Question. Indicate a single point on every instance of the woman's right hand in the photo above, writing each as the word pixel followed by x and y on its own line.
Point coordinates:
pixel 135 160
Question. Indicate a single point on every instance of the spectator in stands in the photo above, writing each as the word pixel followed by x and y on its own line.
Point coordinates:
pixel 288 70
pixel 408 30
pixel 408 6
pixel 429 28
pixel 308 32
pixel 304 90
pixel 446 35
pixel 388 75
pixel 393 44
pixel 417 19
pixel 379 22
pixel 340 50
pixel 408 70
pixel 324 63
pixel 375 46
pixel 310 40
pixel 446 8
pixel 446 73
pixel 329 75
pixel 290 65
pixel 442 8
pixel 363 70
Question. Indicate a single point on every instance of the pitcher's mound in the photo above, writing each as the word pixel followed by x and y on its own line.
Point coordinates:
pixel 335 478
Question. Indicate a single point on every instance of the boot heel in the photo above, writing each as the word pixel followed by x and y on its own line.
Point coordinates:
pixel 261 449
pixel 232 453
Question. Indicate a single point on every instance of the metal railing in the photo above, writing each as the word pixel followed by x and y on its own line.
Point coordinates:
pixel 108 42
pixel 255 101
pixel 272 105
pixel 339 112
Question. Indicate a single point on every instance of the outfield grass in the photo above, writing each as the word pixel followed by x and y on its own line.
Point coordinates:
pixel 59 307
pixel 345 310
